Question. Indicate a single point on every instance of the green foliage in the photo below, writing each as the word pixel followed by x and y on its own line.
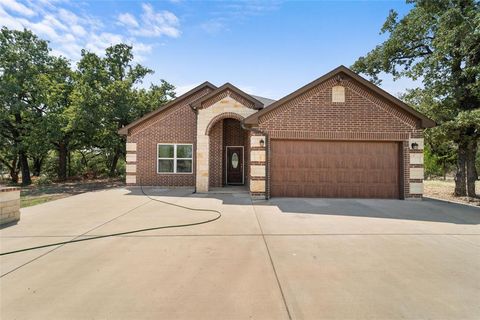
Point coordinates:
pixel 440 151
pixel 25 61
pixel 437 42
pixel 65 121
pixel 43 180
pixel 114 100
pixel 437 165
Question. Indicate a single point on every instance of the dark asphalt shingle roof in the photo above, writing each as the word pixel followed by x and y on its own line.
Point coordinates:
pixel 266 101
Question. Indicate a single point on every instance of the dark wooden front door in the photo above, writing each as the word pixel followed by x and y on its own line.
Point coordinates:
pixel 335 169
pixel 234 165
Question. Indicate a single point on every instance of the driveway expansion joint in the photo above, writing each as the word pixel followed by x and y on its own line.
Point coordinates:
pixel 79 236
pixel 273 265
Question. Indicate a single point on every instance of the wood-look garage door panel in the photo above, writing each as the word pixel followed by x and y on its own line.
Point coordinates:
pixel 334 169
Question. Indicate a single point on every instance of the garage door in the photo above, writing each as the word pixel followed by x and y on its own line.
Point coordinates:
pixel 334 169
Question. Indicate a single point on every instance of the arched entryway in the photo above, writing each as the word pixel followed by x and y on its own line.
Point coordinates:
pixel 228 152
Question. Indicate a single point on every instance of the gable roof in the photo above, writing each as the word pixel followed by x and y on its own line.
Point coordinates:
pixel 426 122
pixel 227 86
pixel 206 84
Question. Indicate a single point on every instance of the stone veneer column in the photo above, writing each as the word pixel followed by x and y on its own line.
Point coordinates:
pixel 9 204
pixel 257 167
pixel 131 166
pixel 203 145
pixel 416 170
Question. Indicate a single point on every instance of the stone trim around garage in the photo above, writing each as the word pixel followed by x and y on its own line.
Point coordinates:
pixel 415 169
pixel 9 205
pixel 258 167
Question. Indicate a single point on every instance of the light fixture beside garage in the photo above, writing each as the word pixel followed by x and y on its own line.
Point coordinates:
pixel 262 143
pixel 414 145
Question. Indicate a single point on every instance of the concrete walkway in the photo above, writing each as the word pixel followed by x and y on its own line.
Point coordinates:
pixel 280 259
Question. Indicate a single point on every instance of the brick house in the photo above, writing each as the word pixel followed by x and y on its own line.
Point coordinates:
pixel 339 136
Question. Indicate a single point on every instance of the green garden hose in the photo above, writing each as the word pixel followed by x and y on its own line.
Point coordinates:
pixel 218 216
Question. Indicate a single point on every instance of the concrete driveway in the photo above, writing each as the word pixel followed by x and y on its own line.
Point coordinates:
pixel 281 259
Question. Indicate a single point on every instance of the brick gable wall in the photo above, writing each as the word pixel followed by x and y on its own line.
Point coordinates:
pixel 363 116
pixel 314 112
pixel 175 125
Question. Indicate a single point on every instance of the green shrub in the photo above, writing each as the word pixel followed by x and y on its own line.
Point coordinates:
pixel 43 180
pixel 436 165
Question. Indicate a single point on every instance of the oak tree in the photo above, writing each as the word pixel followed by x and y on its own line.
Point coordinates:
pixel 438 42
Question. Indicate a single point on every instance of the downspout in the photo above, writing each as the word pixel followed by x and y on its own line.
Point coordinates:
pixel 267 157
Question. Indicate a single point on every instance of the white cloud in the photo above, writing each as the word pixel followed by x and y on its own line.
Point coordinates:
pixel 67 16
pixel 17 7
pixel 152 23
pixel 54 22
pixel 43 28
pixel 223 13
pixel 78 30
pixel 70 29
pixel 11 22
pixel 98 42
pixel 128 20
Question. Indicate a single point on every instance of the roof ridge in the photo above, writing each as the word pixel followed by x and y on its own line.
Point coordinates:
pixel 124 130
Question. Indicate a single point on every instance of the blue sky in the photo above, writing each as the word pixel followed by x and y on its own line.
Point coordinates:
pixel 267 48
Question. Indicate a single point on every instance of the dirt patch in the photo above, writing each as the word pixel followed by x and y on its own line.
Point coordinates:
pixel 33 194
pixel 443 189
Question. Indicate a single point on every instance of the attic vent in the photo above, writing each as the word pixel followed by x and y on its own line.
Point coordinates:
pixel 338 94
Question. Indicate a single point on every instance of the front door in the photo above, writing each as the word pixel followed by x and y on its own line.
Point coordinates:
pixel 234 165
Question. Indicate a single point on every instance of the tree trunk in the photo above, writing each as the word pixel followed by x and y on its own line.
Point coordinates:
pixel 460 176
pixel 113 165
pixel 471 170
pixel 22 157
pixel 14 175
pixel 62 161
pixel 37 166
pixel 444 169
pixel 12 168
pixel 69 162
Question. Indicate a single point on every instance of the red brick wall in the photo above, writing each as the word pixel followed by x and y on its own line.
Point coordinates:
pixel 234 135
pixel 174 125
pixel 363 116
pixel 226 132
pixel 314 112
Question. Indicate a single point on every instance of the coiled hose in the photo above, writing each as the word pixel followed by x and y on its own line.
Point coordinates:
pixel 218 216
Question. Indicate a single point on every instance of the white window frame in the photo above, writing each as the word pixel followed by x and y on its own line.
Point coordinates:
pixel 174 157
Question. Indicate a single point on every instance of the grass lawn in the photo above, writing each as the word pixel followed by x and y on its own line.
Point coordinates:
pixel 444 189
pixel 28 201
